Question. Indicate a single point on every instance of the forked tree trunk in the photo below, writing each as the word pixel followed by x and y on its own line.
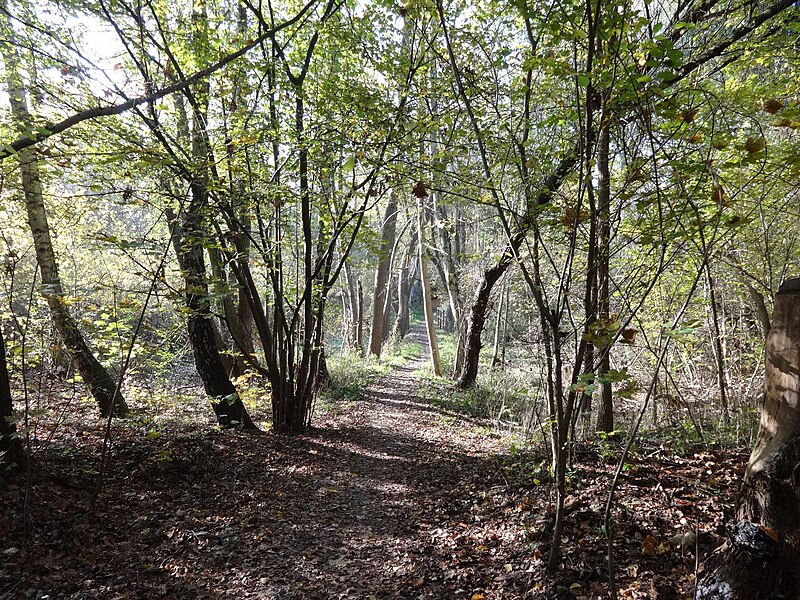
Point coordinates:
pixel 762 558
pixel 427 295
pixel 190 239
pixel 379 304
pixel 102 384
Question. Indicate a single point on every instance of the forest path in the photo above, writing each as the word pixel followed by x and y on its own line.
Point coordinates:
pixel 384 499
pixel 388 498
pixel 397 481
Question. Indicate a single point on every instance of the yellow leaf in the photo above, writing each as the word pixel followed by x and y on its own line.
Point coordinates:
pixel 477 596
pixel 575 586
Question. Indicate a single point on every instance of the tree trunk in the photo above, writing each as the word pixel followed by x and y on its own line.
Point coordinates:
pixel 469 372
pixel 12 456
pixel 379 304
pixel 719 351
pixel 232 312
pixel 359 317
pixel 225 400
pixel 190 240
pixel 760 561
pixel 451 247
pixel 102 384
pixel 500 328
pixel 605 418
pixel 762 313
pixel 354 326
pixel 427 295
pixel 404 291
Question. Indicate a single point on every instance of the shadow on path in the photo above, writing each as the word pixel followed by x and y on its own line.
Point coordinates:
pixel 367 506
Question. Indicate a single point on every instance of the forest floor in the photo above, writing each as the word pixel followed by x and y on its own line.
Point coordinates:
pixel 388 497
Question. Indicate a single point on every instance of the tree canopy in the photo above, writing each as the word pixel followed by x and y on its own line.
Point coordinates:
pixel 591 203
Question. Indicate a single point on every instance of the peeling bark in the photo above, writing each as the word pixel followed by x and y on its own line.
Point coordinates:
pixel 760 561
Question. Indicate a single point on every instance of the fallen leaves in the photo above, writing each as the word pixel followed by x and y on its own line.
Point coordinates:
pixel 381 502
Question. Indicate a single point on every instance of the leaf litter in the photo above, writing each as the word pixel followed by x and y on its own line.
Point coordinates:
pixel 387 498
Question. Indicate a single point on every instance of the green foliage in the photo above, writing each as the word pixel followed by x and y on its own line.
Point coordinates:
pixel 526 469
pixel 351 375
pixel 499 397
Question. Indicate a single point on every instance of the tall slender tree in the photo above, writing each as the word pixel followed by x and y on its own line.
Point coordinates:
pixel 380 303
pixel 102 384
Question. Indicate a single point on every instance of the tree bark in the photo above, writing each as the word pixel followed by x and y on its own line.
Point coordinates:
pixel 719 351
pixel 499 326
pixel 232 314
pixel 102 384
pixel 12 456
pixel 354 297
pixel 190 239
pixel 605 418
pixel 762 313
pixel 477 322
pixel 760 561
pixel 225 400
pixel 404 291
pixel 492 275
pixel 427 295
pixel 379 304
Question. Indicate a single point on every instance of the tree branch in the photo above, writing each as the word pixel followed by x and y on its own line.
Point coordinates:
pixel 51 129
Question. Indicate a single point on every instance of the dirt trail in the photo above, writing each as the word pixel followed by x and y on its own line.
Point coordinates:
pixel 381 501
pixel 397 474
pixel 388 498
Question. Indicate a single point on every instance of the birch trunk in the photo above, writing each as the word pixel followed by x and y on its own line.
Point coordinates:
pixel 102 384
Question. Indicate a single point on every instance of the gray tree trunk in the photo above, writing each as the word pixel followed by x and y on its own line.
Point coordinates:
pixel 381 293
pixel 404 278
pixel 427 294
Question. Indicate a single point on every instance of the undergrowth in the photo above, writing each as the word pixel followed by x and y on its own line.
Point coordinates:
pixel 351 374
